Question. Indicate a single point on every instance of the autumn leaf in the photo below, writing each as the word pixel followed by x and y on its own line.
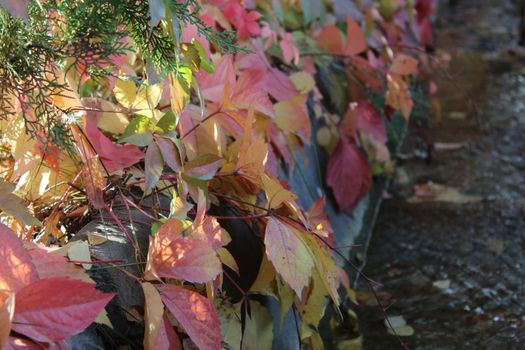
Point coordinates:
pixel 159 333
pixel 173 256
pixel 113 156
pixel 153 166
pixel 169 152
pixel 7 310
pixel 276 194
pixel 252 161
pixel 14 206
pixel 142 101
pixel 348 175
pixel 292 116
pixel 398 95
pixel 49 264
pixel 258 334
pixel 195 313
pixel 404 65
pixel 355 39
pixel 53 309
pixel 331 39
pixel 369 120
pixel 203 167
pixel 17 269
pixel 288 254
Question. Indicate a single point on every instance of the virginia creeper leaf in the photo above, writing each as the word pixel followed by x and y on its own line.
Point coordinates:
pixel 14 206
pixel 53 309
pixel 288 254
pixel 348 175
pixel 355 39
pixel 17 269
pixel 195 313
pixel 153 165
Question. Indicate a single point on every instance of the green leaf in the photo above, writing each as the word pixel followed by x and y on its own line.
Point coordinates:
pixel 167 123
pixel 139 132
pixel 205 64
pixel 191 56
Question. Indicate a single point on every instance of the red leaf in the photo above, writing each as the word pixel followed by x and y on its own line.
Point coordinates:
pixel 16 268
pixel 173 256
pixel 369 120
pixel 196 315
pixel 53 309
pixel 348 175
pixel 113 156
pixel 355 39
pixel 53 265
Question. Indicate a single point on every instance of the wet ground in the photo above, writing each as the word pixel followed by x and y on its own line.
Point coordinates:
pixel 456 271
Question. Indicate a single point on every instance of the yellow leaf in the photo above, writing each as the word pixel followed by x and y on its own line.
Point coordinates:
pixel 312 310
pixel 148 97
pixel 292 116
pixel 286 298
pixel 324 264
pixel 112 120
pixel 252 161
pixel 276 194
pixel 227 259
pixel 398 95
pixel 125 92
pixel 154 310
pixel 303 81
pixel 259 329
pixel 265 276
pixel 289 255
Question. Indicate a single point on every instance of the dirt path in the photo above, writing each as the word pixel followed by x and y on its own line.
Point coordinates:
pixel 456 272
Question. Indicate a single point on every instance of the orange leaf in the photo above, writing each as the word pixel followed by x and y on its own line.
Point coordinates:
pixel 404 65
pixel 292 116
pixel 173 256
pixel 331 39
pixel 288 254
pixel 7 310
pixel 355 39
pixel 196 315
pixel 398 95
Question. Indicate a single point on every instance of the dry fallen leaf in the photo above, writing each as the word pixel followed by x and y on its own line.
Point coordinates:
pixel 432 192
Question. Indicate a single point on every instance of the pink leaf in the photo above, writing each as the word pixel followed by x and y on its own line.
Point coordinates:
pixel 169 153
pixel 212 84
pixel 369 120
pixel 16 268
pixel 196 315
pixel 348 175
pixel 53 309
pixel 113 156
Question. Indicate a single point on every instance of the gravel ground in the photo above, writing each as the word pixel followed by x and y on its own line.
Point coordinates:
pixel 456 271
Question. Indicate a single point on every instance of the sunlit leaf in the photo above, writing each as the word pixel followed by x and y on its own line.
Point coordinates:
pixel 14 206
pixel 195 314
pixel 54 309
